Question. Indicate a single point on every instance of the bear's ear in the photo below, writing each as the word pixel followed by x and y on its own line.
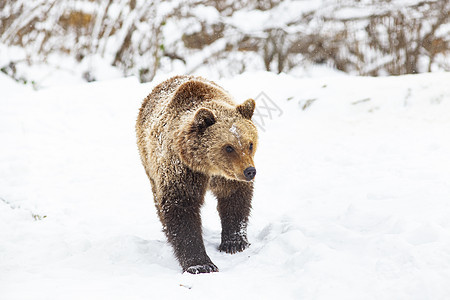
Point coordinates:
pixel 203 119
pixel 247 108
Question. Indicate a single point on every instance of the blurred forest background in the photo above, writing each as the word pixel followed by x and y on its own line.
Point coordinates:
pixel 228 37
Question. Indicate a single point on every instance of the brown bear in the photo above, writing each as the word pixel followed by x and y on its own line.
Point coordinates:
pixel 192 137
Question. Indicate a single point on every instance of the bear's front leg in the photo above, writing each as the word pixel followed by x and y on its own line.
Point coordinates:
pixel 179 210
pixel 234 204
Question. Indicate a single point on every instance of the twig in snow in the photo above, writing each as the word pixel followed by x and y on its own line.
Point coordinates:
pixel 361 101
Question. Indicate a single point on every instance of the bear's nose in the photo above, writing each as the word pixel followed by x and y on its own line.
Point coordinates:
pixel 250 173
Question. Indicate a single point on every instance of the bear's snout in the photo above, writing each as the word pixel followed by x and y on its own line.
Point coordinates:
pixel 250 173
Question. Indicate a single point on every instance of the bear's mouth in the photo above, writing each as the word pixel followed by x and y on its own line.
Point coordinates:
pixel 243 178
pixel 234 176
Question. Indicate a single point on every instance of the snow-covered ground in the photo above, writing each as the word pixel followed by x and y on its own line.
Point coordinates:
pixel 352 194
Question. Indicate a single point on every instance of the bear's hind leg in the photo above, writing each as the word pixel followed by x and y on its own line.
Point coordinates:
pixel 234 204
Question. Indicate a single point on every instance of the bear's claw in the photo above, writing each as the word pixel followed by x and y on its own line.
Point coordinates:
pixel 234 246
pixel 206 268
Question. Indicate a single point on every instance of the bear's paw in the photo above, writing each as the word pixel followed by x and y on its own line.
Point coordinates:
pixel 206 268
pixel 234 246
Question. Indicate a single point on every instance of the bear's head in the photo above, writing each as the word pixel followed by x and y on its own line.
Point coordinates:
pixel 221 140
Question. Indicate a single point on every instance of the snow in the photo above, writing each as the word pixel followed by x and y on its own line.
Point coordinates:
pixel 351 197
pixel 236 134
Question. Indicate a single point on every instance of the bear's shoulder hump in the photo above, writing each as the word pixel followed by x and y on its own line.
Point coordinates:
pixel 194 92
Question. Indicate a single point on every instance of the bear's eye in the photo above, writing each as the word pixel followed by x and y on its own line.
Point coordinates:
pixel 229 149
pixel 251 146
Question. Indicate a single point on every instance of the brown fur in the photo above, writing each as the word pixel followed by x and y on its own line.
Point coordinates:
pixel 183 130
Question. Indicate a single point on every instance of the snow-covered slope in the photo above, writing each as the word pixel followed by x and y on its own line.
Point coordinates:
pixel 352 194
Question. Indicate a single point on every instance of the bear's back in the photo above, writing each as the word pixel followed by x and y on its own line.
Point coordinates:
pixel 160 96
pixel 180 94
